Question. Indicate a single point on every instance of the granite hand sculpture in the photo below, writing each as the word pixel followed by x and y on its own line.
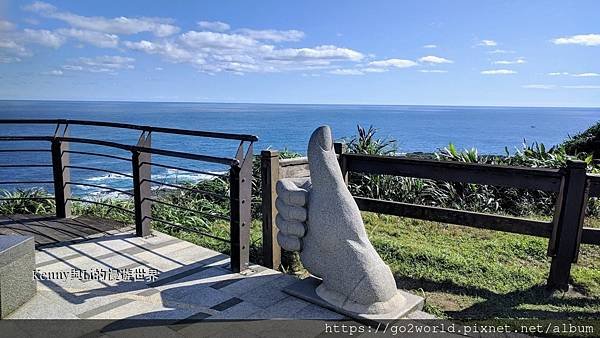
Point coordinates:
pixel 318 217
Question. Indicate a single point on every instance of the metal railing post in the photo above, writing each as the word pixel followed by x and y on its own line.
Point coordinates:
pixel 240 180
pixel 62 175
pixel 568 225
pixel 269 172
pixel 341 149
pixel 142 172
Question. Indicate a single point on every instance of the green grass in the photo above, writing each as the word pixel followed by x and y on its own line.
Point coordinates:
pixel 482 274
pixel 463 273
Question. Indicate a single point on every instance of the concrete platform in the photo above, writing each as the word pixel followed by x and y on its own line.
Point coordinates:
pixel 306 290
pixel 169 287
pixel 170 279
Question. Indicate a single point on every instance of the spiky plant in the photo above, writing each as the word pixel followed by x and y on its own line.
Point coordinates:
pixel 26 201
pixel 366 142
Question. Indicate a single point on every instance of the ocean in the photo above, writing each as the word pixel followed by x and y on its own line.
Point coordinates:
pixel 278 126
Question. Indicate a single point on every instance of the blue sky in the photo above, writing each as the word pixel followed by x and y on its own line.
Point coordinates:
pixel 527 53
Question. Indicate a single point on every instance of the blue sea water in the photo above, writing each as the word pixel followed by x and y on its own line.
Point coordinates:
pixel 278 126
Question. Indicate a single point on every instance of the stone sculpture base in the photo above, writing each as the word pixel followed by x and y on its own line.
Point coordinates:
pixel 17 262
pixel 305 290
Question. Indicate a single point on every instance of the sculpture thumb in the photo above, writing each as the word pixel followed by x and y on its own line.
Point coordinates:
pixel 323 163
pixel 332 212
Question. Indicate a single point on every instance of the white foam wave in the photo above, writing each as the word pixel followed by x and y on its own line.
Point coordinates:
pixel 170 176
pixel 108 177
pixel 175 175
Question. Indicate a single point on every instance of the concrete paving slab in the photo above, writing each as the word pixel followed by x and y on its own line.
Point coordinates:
pixel 193 282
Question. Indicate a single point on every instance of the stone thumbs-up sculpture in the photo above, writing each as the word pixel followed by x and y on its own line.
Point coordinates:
pixel 318 217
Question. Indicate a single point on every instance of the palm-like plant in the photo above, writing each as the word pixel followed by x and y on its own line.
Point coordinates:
pixel 29 201
pixel 365 142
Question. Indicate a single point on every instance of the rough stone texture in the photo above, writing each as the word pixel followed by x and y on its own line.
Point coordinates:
pixel 321 220
pixel 306 290
pixel 17 262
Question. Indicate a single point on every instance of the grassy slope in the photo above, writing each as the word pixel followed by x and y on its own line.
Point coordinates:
pixel 473 273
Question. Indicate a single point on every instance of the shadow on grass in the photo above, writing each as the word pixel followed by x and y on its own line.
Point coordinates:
pixel 536 302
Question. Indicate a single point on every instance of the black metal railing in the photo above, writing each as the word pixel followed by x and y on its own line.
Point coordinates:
pixel 239 174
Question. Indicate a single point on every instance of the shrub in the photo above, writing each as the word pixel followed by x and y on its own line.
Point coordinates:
pixel 584 142
pixel 456 195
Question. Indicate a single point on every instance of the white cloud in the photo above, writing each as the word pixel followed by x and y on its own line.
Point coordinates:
pixel 198 40
pixel 216 26
pixel 582 87
pixel 374 70
pixel 430 46
pixel 498 72
pixel 55 72
pixel 433 71
pixel 9 59
pixel 11 46
pixel 434 59
pixel 586 75
pixel 39 6
pixel 120 25
pixel 169 50
pixel 12 50
pixel 14 43
pixel 213 52
pixel 159 69
pixel 43 37
pixel 346 72
pixel 324 53
pixel 487 43
pixel 72 67
pixel 510 62
pixel 101 64
pixel 501 51
pixel 6 25
pixel 582 39
pixel 397 63
pixel 539 86
pixel 273 35
pixel 98 39
pixel 212 48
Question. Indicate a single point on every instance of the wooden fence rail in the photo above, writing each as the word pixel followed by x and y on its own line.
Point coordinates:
pixel 565 232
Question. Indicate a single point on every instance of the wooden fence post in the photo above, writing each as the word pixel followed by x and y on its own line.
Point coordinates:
pixel 341 149
pixel 568 225
pixel 269 173
pixel 142 173
pixel 62 176
pixel 240 180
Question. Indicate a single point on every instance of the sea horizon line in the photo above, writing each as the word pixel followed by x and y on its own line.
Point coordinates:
pixel 303 104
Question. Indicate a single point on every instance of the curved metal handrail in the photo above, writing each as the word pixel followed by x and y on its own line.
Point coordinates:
pixel 239 175
pixel 171 153
pixel 211 134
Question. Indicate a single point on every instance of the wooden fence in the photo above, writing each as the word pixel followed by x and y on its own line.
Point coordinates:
pixel 565 232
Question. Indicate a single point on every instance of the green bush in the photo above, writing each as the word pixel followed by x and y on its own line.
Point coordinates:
pixel 31 201
pixel 584 142
pixel 473 197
